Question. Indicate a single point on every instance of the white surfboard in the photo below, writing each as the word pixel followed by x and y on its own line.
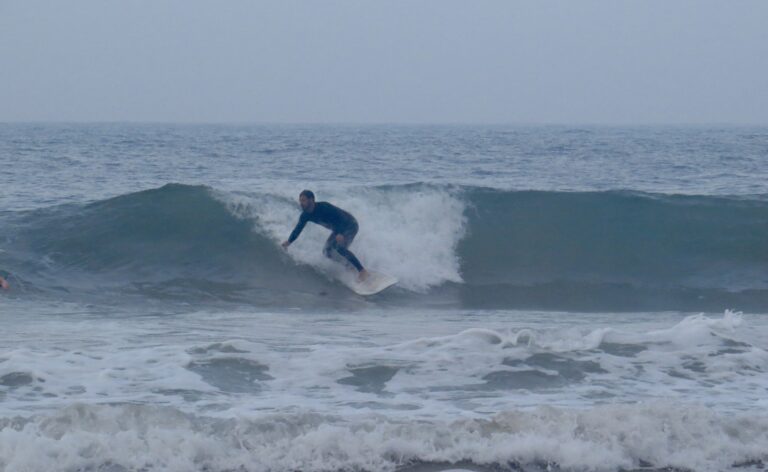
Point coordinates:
pixel 373 284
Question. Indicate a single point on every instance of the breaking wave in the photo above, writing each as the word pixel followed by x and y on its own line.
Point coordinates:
pixel 447 244
pixel 660 436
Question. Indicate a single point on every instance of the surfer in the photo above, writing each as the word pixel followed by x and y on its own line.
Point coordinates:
pixel 3 283
pixel 343 228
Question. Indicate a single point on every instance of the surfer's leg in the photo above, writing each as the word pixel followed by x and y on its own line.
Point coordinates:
pixel 347 254
pixel 341 248
pixel 330 244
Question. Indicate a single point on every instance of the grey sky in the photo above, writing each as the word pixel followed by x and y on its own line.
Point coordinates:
pixel 644 61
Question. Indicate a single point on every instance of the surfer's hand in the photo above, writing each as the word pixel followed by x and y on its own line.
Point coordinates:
pixel 285 244
pixel 339 239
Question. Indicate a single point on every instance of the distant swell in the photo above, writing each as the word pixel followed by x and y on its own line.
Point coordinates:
pixel 461 245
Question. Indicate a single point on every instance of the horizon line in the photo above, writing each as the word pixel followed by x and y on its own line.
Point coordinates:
pixel 384 123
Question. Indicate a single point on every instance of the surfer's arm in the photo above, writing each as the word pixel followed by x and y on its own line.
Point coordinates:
pixel 297 230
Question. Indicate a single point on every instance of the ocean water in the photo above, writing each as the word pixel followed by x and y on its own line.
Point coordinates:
pixel 572 299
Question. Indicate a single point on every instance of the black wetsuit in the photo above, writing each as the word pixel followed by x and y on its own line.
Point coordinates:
pixel 339 222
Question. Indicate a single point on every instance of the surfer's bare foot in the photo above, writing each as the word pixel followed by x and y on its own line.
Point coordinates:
pixel 362 275
pixel 3 284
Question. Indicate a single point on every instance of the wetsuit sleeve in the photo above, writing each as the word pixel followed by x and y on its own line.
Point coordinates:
pixel 299 227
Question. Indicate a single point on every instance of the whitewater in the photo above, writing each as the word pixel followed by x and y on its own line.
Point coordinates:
pixel 574 299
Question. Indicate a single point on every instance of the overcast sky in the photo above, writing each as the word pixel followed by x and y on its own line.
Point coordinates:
pixel 441 61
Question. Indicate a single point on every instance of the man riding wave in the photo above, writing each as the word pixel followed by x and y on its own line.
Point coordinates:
pixel 342 224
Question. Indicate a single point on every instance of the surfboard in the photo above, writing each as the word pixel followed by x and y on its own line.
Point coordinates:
pixel 373 284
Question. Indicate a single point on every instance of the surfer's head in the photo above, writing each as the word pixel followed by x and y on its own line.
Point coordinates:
pixel 307 200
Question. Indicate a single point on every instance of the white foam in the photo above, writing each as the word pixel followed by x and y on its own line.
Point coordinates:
pixel 435 408
pixel 409 232
pixel 603 438
pixel 439 363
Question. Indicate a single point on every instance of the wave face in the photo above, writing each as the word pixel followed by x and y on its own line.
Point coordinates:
pixel 463 245
pixel 647 250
